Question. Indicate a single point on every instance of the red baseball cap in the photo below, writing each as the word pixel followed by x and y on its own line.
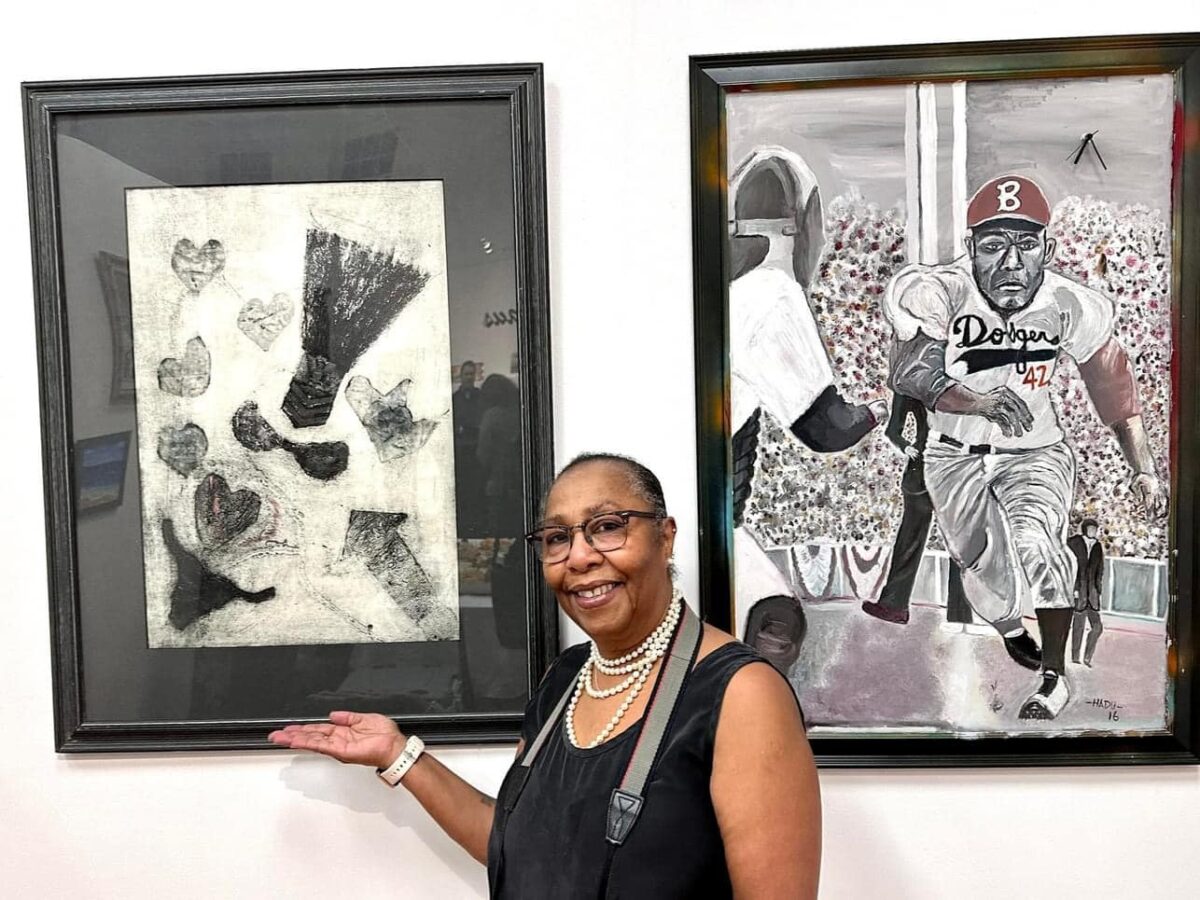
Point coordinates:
pixel 1009 197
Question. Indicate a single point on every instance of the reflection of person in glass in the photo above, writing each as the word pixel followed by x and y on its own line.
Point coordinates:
pixel 468 410
pixel 499 456
pixel 716 790
pixel 1089 586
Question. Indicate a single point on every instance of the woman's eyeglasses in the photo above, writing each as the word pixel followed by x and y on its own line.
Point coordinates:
pixel 603 531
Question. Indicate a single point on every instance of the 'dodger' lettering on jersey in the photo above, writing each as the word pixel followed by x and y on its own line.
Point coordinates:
pixel 974 334
pixel 976 343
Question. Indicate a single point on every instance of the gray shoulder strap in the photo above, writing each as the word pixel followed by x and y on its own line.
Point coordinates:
pixel 625 804
pixel 536 747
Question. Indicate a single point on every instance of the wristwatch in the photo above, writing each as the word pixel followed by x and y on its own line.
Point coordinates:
pixel 413 748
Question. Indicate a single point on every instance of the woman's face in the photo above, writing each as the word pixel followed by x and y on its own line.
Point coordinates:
pixel 619 596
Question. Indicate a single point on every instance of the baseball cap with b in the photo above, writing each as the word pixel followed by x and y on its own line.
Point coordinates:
pixel 1009 197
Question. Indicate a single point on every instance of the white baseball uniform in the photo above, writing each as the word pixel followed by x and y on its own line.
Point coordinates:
pixel 1002 502
pixel 778 363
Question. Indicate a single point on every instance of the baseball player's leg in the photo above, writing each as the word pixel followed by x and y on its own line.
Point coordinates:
pixel 1035 488
pixel 1097 629
pixel 768 615
pixel 976 531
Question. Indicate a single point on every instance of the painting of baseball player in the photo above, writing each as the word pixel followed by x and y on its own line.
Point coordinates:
pixel 778 363
pixel 976 342
pixel 1089 585
pixel 909 545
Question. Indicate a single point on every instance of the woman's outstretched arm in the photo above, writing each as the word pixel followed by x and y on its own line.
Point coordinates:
pixel 369 739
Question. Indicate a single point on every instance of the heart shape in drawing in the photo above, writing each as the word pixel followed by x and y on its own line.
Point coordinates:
pixel 222 514
pixel 188 375
pixel 182 448
pixel 386 417
pixel 263 322
pixel 197 266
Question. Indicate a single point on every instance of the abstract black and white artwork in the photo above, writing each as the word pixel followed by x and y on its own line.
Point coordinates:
pixel 292 361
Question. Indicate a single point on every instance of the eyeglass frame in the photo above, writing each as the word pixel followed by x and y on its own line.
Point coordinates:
pixel 531 538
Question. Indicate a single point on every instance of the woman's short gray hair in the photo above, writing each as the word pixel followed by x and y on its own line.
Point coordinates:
pixel 642 481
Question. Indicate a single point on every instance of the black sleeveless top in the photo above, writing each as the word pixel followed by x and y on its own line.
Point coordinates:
pixel 553 845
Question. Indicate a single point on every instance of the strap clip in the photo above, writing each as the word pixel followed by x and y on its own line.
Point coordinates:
pixel 623 811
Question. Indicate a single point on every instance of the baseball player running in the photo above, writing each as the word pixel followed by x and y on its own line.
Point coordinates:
pixel 977 342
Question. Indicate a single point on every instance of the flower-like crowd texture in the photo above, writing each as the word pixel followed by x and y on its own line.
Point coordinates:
pixel 1124 252
pixel 801 497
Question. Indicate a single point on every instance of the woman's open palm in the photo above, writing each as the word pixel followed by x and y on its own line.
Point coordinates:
pixel 367 739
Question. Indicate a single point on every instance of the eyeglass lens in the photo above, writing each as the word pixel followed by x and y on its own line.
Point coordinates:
pixel 603 532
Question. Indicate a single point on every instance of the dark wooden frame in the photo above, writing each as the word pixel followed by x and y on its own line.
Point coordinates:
pixel 521 87
pixel 711 79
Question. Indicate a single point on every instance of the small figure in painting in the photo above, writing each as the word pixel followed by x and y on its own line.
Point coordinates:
pixel 1089 587
pixel 909 545
pixel 977 341
pixel 779 359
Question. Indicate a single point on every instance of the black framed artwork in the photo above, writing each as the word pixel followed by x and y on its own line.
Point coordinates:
pixel 279 292
pixel 946 301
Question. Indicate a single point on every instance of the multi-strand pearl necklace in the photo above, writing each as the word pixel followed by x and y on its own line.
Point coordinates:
pixel 636 664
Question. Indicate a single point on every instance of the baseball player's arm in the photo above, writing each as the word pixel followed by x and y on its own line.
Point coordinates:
pixel 1108 376
pixel 918 369
pixel 831 424
pixel 785 366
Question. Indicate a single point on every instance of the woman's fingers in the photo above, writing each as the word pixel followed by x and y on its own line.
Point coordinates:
pixel 297 736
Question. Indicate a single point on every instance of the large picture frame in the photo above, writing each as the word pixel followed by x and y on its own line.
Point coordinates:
pixel 386 214
pixel 824 184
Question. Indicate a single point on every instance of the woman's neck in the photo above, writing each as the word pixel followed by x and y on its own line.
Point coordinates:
pixel 618 646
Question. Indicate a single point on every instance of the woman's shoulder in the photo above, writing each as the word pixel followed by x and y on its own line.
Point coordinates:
pixel 721 651
pixel 742 678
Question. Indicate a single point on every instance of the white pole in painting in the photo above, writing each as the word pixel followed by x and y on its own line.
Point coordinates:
pixel 959 159
pixel 927 144
pixel 912 180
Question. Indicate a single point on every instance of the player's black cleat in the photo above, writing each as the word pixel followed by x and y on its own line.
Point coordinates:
pixel 1024 650
pixel 1048 700
pixel 888 614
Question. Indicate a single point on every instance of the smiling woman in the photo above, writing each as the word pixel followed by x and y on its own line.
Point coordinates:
pixel 657 722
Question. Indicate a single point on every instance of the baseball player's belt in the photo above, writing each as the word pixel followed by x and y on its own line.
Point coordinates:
pixel 972 449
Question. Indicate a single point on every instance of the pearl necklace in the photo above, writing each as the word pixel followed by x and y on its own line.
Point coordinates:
pixel 637 664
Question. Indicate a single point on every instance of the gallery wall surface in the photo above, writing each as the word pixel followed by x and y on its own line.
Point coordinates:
pixel 234 825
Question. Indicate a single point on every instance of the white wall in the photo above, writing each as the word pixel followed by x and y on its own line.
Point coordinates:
pixel 233 825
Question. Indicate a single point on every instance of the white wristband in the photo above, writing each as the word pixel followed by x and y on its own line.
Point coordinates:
pixel 412 751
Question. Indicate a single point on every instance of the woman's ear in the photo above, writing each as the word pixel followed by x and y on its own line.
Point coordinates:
pixel 669 528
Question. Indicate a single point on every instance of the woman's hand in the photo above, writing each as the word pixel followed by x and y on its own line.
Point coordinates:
pixel 369 739
pixel 365 739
